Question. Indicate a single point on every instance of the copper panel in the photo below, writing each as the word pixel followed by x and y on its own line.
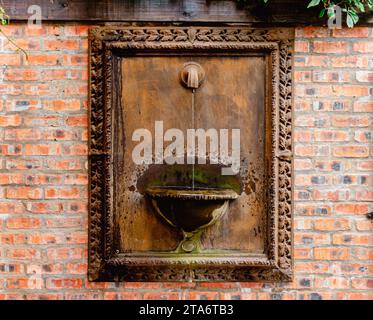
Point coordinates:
pixel 231 97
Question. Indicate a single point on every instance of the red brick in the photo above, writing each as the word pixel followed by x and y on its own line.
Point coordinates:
pixel 77 31
pixel 355 32
pixel 55 74
pixel 122 296
pixel 10 59
pixel 26 44
pixel 61 105
pixel 41 179
pixel 363 107
pixel 11 207
pixel 354 296
pixel 364 225
pixel 350 91
pixel 22 134
pixel 311 267
pixel 203 295
pixel 352 239
pixel 366 195
pixel 20 164
pixel 362 283
pixel 312 238
pixel 350 151
pixel 24 193
pixel 363 47
pixel 23 223
pixel 11 149
pixel 331 253
pixel 364 76
pixel 328 135
pixel 13 238
pixel 303 164
pixel 10 120
pixel 76 268
pixel 350 208
pixel 301 46
pixel 302 136
pixel 83 296
pixel 332 283
pixel 350 121
pixel 21 75
pixel 63 223
pixel 350 61
pixel 76 150
pixel 331 224
pixel 42 149
pixel 9 178
pixel 330 76
pixel 27 253
pixel 25 283
pixel 62 193
pixel 71 164
pixel 44 207
pixel 44 238
pixel 68 283
pixel 365 165
pixel 330 47
pixel 60 254
pixel 61 45
pixel 43 121
pixel 311 61
pixel 76 179
pixel 43 60
pixel 313 32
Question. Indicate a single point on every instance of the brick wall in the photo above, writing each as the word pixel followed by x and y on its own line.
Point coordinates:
pixel 43 172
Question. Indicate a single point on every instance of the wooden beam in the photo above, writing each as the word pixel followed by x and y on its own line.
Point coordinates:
pixel 276 12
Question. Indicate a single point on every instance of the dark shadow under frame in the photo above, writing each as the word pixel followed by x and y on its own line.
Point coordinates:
pixel 107 45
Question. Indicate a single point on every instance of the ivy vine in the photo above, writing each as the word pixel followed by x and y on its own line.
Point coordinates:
pixel 4 21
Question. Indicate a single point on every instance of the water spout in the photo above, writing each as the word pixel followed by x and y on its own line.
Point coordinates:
pixel 192 75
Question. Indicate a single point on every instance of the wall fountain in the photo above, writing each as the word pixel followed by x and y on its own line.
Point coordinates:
pixel 190 154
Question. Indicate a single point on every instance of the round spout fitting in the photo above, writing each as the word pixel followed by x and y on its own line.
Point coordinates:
pixel 192 75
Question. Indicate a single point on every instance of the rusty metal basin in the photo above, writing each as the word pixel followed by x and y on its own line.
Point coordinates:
pixel 190 210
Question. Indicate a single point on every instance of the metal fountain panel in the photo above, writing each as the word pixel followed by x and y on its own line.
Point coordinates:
pixel 190 154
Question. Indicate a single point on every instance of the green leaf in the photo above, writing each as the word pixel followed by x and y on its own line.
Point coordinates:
pixel 322 12
pixel 349 21
pixel 353 15
pixel 360 6
pixel 331 12
pixel 352 18
pixel 313 3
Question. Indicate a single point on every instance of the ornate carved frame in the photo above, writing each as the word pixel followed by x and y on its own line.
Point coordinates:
pixel 107 46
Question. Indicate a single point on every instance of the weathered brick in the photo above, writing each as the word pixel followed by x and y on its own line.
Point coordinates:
pixel 363 47
pixel 350 151
pixel 330 253
pixel 330 47
pixel 357 32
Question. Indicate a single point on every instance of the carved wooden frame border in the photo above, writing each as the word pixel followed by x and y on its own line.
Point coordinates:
pixel 107 44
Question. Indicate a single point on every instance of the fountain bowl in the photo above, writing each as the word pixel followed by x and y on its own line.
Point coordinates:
pixel 190 210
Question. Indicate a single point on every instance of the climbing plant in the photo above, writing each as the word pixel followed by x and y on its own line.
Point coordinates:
pixel 351 8
pixel 4 21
